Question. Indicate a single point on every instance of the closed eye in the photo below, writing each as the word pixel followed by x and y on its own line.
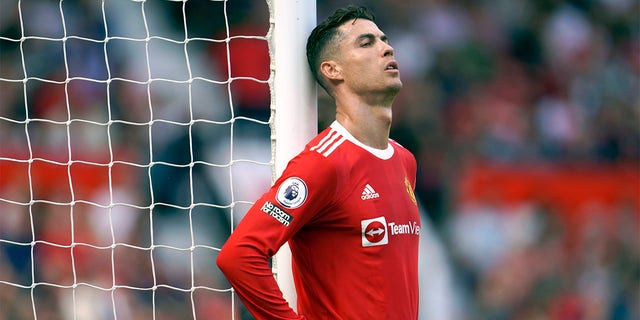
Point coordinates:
pixel 367 40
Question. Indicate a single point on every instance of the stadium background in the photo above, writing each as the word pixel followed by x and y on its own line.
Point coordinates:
pixel 524 117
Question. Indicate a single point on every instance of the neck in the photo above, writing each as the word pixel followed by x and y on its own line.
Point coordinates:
pixel 370 124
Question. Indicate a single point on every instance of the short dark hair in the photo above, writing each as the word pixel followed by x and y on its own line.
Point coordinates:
pixel 327 31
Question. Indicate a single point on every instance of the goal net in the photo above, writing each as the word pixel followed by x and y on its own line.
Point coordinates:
pixel 134 135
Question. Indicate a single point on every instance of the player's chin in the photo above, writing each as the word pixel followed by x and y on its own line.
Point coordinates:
pixel 395 85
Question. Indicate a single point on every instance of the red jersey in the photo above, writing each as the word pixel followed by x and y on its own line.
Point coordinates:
pixel 352 222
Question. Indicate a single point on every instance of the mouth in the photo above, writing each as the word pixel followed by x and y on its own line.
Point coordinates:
pixel 391 66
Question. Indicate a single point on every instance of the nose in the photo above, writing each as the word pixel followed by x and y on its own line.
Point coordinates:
pixel 387 49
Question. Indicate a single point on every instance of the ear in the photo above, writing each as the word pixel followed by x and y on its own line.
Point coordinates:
pixel 331 70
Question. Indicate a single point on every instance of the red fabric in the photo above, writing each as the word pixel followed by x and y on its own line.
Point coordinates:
pixel 568 190
pixel 339 271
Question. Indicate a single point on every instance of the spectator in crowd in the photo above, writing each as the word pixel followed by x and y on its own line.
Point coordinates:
pixel 504 82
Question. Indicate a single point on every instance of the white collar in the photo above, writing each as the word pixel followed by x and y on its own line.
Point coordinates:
pixel 383 154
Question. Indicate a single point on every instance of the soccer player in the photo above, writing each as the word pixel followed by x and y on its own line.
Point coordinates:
pixel 346 203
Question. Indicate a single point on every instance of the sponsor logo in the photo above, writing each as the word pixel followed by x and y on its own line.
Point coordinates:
pixel 292 193
pixel 374 232
pixel 277 213
pixel 406 228
pixel 369 193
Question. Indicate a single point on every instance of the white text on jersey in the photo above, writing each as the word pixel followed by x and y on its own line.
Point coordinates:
pixel 412 228
pixel 277 213
pixel 369 193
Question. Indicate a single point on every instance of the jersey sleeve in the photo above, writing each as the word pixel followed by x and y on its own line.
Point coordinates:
pixel 306 187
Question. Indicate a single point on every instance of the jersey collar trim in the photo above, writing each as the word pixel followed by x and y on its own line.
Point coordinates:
pixel 383 154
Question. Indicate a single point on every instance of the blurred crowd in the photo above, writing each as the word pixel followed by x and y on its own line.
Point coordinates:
pixel 532 88
pixel 124 163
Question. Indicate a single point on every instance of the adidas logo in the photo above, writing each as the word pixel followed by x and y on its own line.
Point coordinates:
pixel 369 193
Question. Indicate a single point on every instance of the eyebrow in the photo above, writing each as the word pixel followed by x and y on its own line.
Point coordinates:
pixel 371 36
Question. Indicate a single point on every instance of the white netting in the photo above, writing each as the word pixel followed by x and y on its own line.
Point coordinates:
pixel 133 135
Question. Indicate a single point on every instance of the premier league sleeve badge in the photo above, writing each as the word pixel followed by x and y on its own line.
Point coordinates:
pixel 292 193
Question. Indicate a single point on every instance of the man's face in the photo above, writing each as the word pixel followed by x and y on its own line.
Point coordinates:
pixel 366 58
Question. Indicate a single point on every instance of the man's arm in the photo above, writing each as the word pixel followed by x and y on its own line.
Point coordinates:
pixel 247 268
pixel 305 187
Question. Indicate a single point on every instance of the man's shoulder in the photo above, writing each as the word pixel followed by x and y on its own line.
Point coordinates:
pixel 316 155
pixel 400 148
pixel 328 142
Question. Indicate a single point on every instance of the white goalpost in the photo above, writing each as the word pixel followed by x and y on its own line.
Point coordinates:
pixel 134 135
pixel 294 102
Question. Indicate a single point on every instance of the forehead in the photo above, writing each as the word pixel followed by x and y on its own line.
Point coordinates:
pixel 354 28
